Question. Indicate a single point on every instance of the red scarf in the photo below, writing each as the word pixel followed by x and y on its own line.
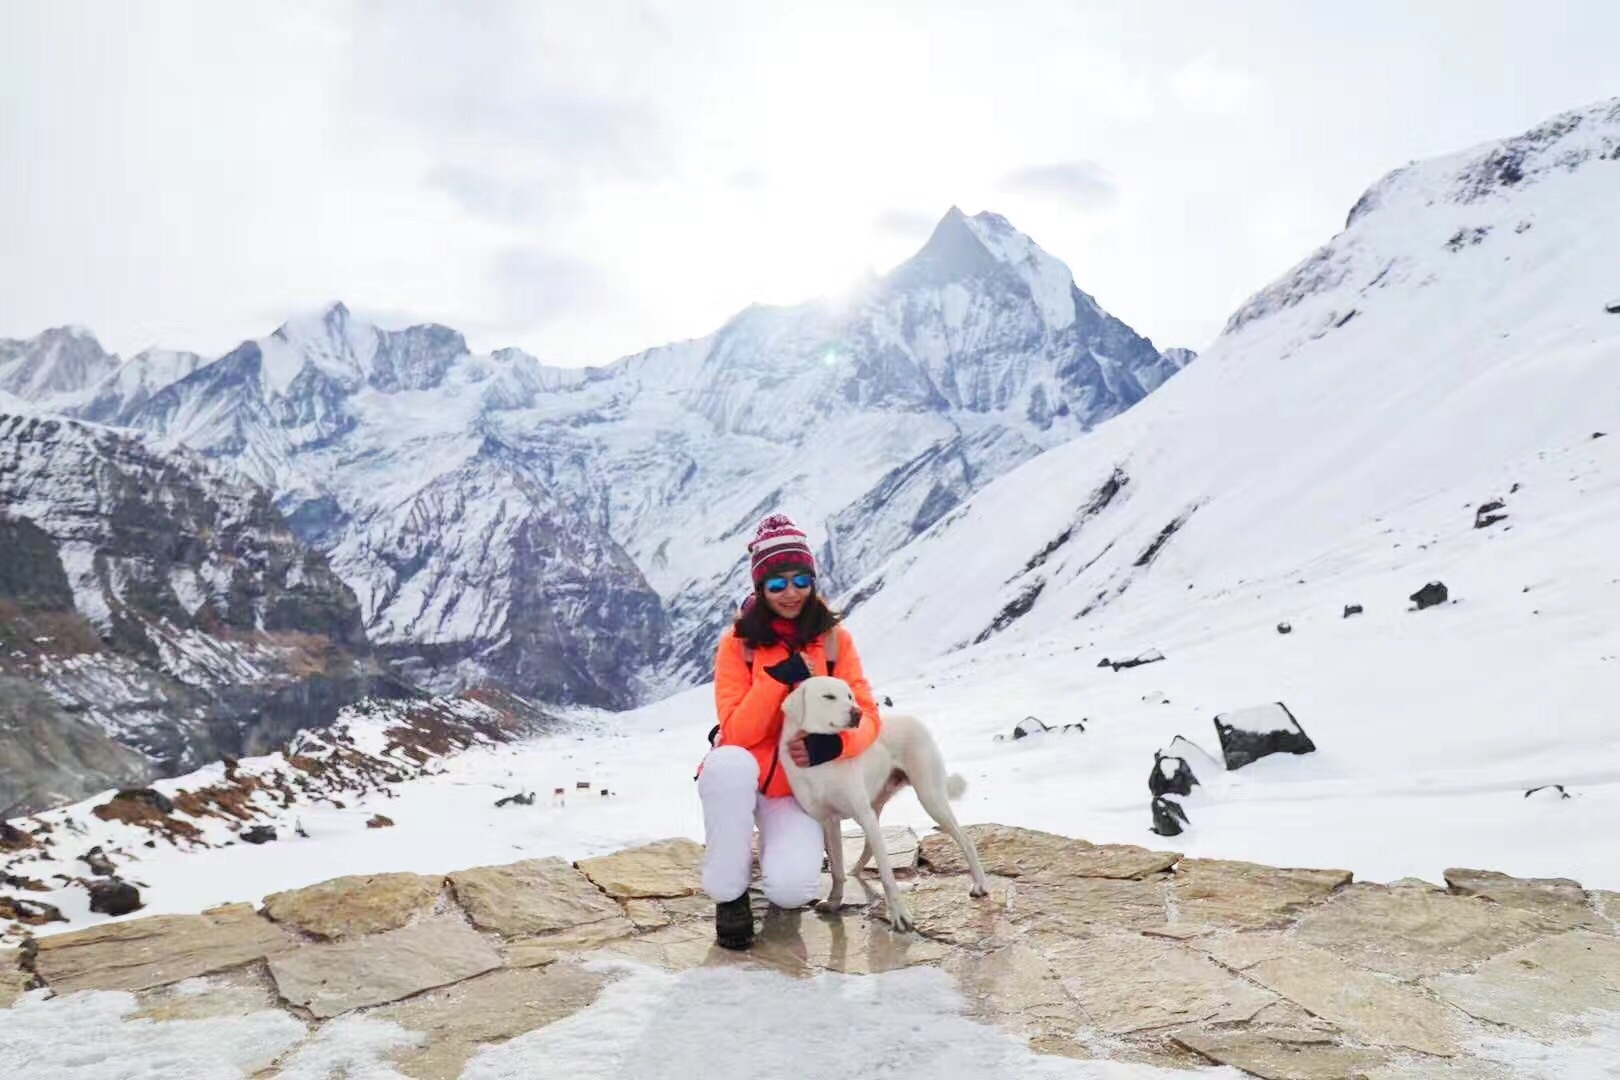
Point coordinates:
pixel 787 632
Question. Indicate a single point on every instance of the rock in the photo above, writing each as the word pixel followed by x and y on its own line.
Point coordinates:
pixel 1282 1053
pixel 1170 776
pixel 1016 989
pixel 150 798
pixel 1152 656
pixel 1613 307
pixel 1247 896
pixel 1248 735
pixel 1351 609
pixel 520 799
pixel 1168 817
pixel 1285 628
pixel 1128 983
pixel 98 862
pixel 1431 594
pixel 1413 932
pixel 379 821
pixel 139 954
pixel 888 702
pixel 1562 903
pixel 1544 987
pixel 113 897
pixel 899 840
pixel 29 912
pixel 1489 514
pixel 665 868
pixel 536 896
pixel 330 979
pixel 13 838
pixel 652 914
pixel 259 834
pixel 1003 850
pixel 13 979
pixel 854 946
pixel 490 1008
pixel 1080 905
pixel 944 912
pixel 548 948
pixel 1599 434
pixel 1030 725
pixel 1549 792
pixel 351 906
pixel 1370 1008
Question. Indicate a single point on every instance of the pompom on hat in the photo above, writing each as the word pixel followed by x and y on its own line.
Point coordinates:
pixel 777 544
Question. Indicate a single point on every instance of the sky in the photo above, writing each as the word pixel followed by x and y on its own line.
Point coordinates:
pixel 590 179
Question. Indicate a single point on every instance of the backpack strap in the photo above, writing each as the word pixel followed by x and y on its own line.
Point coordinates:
pixel 832 649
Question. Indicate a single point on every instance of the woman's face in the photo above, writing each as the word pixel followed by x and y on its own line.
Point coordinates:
pixel 787 592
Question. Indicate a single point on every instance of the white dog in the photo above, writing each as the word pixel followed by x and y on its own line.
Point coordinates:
pixel 858 787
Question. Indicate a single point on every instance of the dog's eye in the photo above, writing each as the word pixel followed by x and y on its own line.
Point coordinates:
pixel 828 697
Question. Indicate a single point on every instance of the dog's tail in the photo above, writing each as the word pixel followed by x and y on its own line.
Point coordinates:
pixel 955 786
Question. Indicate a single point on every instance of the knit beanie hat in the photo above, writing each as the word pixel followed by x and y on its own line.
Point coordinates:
pixel 778 543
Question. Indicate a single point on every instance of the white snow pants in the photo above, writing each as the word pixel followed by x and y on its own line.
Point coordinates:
pixel 790 841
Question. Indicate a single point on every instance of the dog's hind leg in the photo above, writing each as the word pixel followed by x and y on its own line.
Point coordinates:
pixel 928 777
pixel 896 781
pixel 832 836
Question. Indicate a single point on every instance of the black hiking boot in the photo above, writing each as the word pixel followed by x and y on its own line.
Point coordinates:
pixel 734 923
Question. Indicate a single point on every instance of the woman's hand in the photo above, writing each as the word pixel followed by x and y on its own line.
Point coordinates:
pixel 798 753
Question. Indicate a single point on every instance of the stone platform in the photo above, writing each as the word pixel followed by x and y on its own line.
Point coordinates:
pixel 1087 951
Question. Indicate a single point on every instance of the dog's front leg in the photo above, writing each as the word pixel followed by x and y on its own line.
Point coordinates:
pixel 832 837
pixel 899 914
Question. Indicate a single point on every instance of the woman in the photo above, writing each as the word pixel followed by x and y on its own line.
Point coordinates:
pixel 784 634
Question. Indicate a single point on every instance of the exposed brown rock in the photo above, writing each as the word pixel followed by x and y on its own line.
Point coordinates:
pixel 548 948
pixel 1243 895
pixel 1372 1008
pixel 662 869
pixel 536 896
pixel 1544 987
pixel 1412 932
pixel 232 993
pixel 942 909
pixel 650 914
pixel 13 979
pixel 29 912
pixel 379 821
pixel 1283 1054
pixel 329 979
pixel 1003 850
pixel 142 953
pixel 359 904
pixel 1559 901
pixel 459 1019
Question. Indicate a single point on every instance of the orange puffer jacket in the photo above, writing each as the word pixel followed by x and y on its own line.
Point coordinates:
pixel 749 702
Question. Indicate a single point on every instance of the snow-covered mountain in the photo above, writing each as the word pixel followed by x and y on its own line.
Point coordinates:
pixel 1453 339
pixel 153 615
pixel 578 534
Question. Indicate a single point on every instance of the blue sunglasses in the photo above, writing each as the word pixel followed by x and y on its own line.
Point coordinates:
pixel 780 584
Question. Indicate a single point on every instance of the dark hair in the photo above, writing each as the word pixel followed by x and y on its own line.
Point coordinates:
pixel 753 623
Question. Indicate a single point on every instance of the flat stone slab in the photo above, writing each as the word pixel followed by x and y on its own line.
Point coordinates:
pixel 1008 851
pixel 537 896
pixel 1018 989
pixel 651 914
pixel 459 1019
pixel 330 979
pixel 900 841
pixel 1413 932
pixel 1372 1008
pixel 1069 905
pixel 143 953
pixel 1248 896
pixel 1560 901
pixel 355 905
pixel 549 948
pixel 1283 1054
pixel 1128 983
pixel 13 979
pixel 663 869
pixel 850 943
pixel 942 909
pixel 1543 987
pixel 233 993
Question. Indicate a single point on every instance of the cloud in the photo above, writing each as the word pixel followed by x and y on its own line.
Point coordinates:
pixel 1081 182
pixel 538 285
pixel 1205 85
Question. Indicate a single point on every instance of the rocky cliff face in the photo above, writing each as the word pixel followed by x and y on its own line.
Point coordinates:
pixel 154 615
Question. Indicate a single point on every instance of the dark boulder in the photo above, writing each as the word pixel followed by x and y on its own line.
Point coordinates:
pixel 113 897
pixel 259 834
pixel 520 799
pixel 1548 791
pixel 1168 817
pixel 1152 656
pixel 145 797
pixel 1170 776
pixel 1352 609
pixel 1489 514
pixel 1431 594
pixel 1248 735
pixel 1285 627
pixel 98 862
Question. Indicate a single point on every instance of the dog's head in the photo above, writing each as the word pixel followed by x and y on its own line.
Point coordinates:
pixel 821 705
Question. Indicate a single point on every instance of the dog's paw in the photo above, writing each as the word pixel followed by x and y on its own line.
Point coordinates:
pixel 978 892
pixel 900 918
pixel 830 906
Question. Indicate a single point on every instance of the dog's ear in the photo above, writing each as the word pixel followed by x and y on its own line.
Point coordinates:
pixel 793 707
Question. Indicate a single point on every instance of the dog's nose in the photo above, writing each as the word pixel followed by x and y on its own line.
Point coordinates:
pixel 854 716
